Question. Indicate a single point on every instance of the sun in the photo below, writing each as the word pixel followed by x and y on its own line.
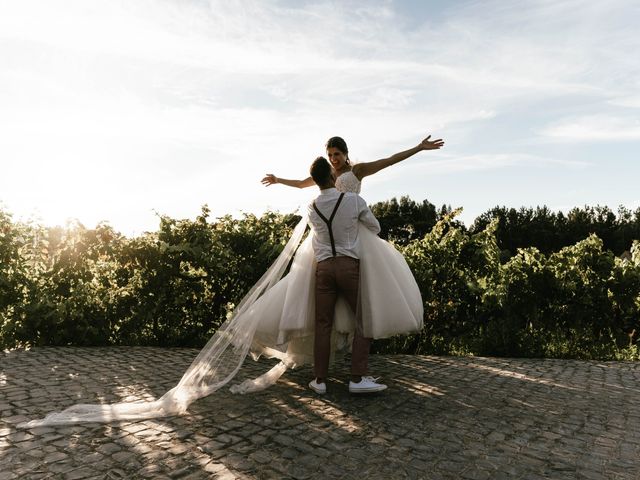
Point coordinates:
pixel 54 176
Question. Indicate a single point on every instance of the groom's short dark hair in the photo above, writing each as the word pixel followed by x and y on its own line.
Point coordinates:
pixel 320 171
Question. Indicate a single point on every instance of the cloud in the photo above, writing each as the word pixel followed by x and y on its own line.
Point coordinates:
pixel 595 128
pixel 630 101
pixel 450 163
pixel 200 98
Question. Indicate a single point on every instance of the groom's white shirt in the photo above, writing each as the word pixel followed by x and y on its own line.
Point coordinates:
pixel 352 209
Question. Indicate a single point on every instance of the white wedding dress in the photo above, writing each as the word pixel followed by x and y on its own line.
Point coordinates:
pixel 276 319
pixel 390 303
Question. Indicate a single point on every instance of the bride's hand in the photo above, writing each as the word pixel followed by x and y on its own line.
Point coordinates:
pixel 269 179
pixel 427 144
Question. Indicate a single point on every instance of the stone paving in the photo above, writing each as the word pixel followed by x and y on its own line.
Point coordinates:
pixel 441 418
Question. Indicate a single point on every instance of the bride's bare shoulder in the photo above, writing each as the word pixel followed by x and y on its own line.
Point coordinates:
pixel 358 170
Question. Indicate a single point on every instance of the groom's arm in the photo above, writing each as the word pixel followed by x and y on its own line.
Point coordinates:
pixel 366 217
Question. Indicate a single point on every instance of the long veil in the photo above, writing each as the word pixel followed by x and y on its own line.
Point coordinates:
pixel 215 365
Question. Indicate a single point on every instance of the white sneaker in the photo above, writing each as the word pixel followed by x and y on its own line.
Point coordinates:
pixel 366 385
pixel 319 388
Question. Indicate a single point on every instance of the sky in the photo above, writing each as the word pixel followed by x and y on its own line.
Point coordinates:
pixel 122 110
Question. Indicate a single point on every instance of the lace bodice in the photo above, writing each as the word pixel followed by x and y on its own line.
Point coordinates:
pixel 348 182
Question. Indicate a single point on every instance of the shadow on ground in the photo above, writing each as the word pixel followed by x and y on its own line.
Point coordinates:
pixel 442 417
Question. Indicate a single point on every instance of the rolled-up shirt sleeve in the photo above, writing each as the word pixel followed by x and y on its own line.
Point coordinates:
pixel 366 217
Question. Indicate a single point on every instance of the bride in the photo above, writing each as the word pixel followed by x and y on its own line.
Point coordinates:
pixel 276 317
pixel 390 300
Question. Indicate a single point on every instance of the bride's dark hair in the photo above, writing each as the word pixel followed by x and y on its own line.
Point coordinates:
pixel 340 144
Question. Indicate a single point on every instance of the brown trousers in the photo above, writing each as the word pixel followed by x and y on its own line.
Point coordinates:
pixel 334 276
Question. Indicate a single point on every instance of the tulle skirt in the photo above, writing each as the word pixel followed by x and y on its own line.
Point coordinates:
pixel 390 300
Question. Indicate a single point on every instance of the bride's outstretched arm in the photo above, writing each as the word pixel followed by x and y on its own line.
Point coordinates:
pixel 270 179
pixel 365 169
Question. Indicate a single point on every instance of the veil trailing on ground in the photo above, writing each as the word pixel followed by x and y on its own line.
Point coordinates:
pixel 216 364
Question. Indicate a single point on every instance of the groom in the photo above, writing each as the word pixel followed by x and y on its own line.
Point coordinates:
pixel 334 219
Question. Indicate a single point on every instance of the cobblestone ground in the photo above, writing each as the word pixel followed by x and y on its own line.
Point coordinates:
pixel 442 417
